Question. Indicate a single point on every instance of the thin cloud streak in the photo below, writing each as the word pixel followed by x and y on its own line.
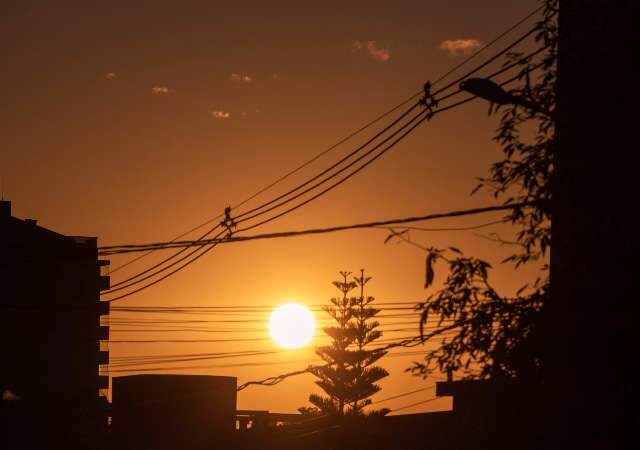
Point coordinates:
pixel 457 47
pixel 220 114
pixel 160 90
pixel 380 54
pixel 241 78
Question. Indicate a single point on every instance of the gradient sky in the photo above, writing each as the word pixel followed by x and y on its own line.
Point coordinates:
pixel 135 121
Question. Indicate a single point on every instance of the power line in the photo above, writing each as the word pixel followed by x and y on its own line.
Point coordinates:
pixel 176 244
pixel 490 60
pixel 142 360
pixel 148 285
pixel 388 112
pixel 312 198
pixel 385 312
pixel 263 222
pixel 246 319
pixel 260 223
pixel 474 227
pixel 485 47
pixel 138 323
pixel 380 305
pixel 416 404
pixel 188 341
pixel 183 341
pixel 122 266
pixel 274 200
pixel 271 381
pixel 484 64
pixel 402 395
pixel 152 324
pixel 109 250
pixel 187 359
pixel 216 366
pixel 226 316
pixel 491 43
pixel 247 311
pixel 324 172
pixel 348 137
pixel 149 269
pixel 136 277
pixel 212 366
pixel 215 309
pixel 427 116
pixel 222 330
pixel 505 68
pixel 419 119
pixel 288 174
pixel 393 343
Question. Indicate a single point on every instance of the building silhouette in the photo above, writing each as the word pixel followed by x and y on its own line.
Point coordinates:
pixel 174 411
pixel 52 323
pixel 485 414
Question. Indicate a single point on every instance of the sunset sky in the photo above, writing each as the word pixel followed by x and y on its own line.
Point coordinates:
pixel 136 121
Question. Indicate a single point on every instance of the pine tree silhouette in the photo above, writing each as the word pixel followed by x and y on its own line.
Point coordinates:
pixel 366 374
pixel 349 378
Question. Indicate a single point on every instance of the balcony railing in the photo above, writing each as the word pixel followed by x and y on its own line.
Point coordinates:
pixel 103 357
pixel 103 308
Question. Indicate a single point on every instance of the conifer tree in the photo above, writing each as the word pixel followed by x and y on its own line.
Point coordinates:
pixel 366 375
pixel 349 377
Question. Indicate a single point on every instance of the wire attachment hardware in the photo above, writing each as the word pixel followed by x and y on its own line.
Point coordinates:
pixel 228 222
pixel 428 100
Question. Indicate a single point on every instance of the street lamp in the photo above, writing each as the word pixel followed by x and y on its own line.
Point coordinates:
pixel 492 92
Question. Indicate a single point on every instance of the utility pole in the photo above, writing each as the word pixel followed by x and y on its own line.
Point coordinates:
pixel 590 322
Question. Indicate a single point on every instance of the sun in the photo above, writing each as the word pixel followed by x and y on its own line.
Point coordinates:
pixel 292 326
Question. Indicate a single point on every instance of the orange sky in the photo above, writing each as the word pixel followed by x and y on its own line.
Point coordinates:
pixel 89 147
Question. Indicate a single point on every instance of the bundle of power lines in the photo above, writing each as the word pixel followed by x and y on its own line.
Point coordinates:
pixel 240 325
pixel 229 325
pixel 419 107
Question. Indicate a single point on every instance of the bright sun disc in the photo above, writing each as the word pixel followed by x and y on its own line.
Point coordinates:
pixel 292 326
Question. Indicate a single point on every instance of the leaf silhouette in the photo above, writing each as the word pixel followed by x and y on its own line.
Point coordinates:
pixel 429 270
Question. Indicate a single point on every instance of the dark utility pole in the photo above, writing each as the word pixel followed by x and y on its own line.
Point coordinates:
pixel 592 321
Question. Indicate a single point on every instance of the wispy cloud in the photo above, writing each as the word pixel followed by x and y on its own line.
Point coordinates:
pixel 160 90
pixel 381 54
pixel 241 78
pixel 460 46
pixel 220 114
pixel 378 53
pixel 110 76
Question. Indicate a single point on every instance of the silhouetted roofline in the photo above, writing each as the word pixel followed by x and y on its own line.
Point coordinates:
pixel 27 231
